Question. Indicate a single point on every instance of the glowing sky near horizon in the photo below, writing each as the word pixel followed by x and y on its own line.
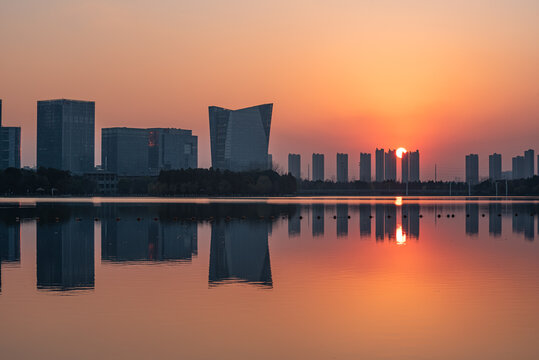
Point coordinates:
pixel 447 78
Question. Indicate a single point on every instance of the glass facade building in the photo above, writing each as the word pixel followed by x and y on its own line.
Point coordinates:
pixel 144 152
pixel 66 135
pixel 294 165
pixel 10 145
pixel 365 167
pixel 240 138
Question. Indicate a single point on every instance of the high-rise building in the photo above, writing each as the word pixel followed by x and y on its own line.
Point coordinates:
pixel 294 165
pixel 240 138
pixel 318 167
pixel 10 145
pixel 413 157
pixel 142 152
pixel 342 168
pixel 472 169
pixel 172 149
pixel 390 165
pixel 529 166
pixel 405 167
pixel 365 167
pixel 495 167
pixel 518 167
pixel 379 158
pixel 65 135
pixel 124 151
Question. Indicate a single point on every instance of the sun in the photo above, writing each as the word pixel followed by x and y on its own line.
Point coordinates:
pixel 400 151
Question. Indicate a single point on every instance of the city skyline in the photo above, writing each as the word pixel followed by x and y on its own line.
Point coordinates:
pixel 446 88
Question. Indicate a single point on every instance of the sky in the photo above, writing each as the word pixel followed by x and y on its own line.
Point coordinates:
pixel 445 77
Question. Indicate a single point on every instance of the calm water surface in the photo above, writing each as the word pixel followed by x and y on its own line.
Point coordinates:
pixel 354 278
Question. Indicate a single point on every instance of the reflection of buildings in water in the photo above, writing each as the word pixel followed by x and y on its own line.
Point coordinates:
pixel 472 219
pixel 390 220
pixel 342 219
pixel 318 219
pixel 523 222
pixel 147 240
pixel 65 255
pixel 495 219
pixel 239 251
pixel 364 219
pixel 10 245
pixel 410 220
pixel 294 224
pixel 380 220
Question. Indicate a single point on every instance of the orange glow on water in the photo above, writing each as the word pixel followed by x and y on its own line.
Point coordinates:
pixel 400 236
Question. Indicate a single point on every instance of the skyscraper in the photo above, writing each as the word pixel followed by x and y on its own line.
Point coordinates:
pixel 365 167
pixel 518 167
pixel 124 151
pixel 240 138
pixel 342 168
pixel 65 135
pixel 404 167
pixel 10 145
pixel 294 165
pixel 472 169
pixel 172 149
pixel 495 167
pixel 529 166
pixel 413 157
pixel 318 167
pixel 379 158
pixel 142 152
pixel 390 165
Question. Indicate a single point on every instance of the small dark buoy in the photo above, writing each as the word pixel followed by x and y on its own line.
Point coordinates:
pixel 138 219
pixel 370 216
pixel 439 215
pixel 452 215
pixel 117 219
pixel 96 219
pixel 301 217
pixel 499 214
pixel 349 216
pixel 516 214
pixel 482 215
pixel 420 215
pixel 334 216
pixel 155 219
pixel 318 217
pixel 447 215
pixel 388 216
pixel 405 216
pixel 467 215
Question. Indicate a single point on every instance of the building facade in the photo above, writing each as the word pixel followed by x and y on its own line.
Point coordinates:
pixel 518 167
pixel 66 135
pixel 240 138
pixel 413 157
pixel 390 160
pixel 318 167
pixel 365 167
pixel 495 167
pixel 529 165
pixel 170 149
pixel 342 168
pixel 472 169
pixel 145 152
pixel 294 165
pixel 380 167
pixel 10 145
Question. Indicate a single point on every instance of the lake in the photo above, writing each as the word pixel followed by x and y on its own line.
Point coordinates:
pixel 277 278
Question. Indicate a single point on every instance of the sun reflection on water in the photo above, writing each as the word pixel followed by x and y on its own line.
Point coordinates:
pixel 400 236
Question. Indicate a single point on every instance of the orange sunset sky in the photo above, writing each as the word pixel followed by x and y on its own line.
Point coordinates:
pixel 445 77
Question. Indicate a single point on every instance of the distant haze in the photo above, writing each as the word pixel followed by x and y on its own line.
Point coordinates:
pixel 445 77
